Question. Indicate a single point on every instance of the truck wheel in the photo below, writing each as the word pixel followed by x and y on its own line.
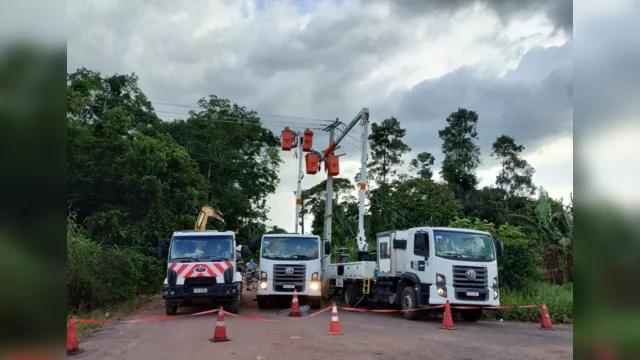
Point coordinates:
pixel 407 302
pixel 262 303
pixel 170 309
pixel 349 295
pixel 234 306
pixel 472 315
pixel 316 303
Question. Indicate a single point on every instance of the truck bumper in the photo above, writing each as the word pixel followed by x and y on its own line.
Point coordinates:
pixel 185 295
pixel 464 296
pixel 307 292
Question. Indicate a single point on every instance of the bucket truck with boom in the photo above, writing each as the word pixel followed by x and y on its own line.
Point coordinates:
pixel 202 266
pixel 419 267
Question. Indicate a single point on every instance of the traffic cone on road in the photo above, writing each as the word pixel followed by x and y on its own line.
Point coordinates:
pixel 447 321
pixel 334 325
pixel 220 332
pixel 295 305
pixel 72 338
pixel 545 321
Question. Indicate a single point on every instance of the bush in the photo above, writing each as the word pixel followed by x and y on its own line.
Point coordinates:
pixel 98 276
pixel 558 298
pixel 520 265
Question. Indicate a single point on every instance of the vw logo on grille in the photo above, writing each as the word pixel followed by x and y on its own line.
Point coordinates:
pixel 201 269
pixel 471 274
pixel 288 271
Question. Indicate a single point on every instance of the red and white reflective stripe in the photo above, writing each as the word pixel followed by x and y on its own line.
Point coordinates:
pixel 334 318
pixel 188 270
pixel 220 324
pixel 295 299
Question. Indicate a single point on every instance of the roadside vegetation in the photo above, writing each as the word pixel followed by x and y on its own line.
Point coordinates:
pixel 136 174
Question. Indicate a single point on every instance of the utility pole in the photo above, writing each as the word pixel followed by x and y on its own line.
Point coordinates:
pixel 328 205
pixel 303 195
pixel 300 176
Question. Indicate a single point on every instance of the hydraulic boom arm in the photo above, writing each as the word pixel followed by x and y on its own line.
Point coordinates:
pixel 205 213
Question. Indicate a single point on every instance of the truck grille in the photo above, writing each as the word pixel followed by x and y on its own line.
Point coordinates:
pixel 462 280
pixel 281 278
pixel 200 281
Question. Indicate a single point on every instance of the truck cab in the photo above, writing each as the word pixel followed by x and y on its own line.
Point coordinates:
pixel 202 268
pixel 426 266
pixel 288 262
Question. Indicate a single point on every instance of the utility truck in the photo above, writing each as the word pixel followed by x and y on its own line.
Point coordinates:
pixel 202 266
pixel 288 262
pixel 424 266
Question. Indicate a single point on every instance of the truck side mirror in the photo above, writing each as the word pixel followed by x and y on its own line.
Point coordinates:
pixel 253 245
pixel 160 249
pixel 244 251
pixel 499 247
pixel 327 248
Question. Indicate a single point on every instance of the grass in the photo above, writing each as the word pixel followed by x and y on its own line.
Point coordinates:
pixel 112 312
pixel 559 300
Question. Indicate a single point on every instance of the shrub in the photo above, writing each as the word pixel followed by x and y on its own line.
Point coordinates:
pixel 558 298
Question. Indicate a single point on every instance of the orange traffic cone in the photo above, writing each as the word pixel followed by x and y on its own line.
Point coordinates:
pixel 72 338
pixel 220 332
pixel 334 325
pixel 295 305
pixel 545 322
pixel 447 321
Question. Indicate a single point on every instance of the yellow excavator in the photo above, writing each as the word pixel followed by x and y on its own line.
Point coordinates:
pixel 205 213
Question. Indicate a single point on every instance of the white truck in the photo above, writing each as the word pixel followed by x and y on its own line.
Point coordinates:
pixel 202 268
pixel 424 266
pixel 288 262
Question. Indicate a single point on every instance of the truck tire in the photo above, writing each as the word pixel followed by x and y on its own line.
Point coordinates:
pixel 472 315
pixel 234 306
pixel 407 302
pixel 349 295
pixel 263 303
pixel 316 303
pixel 170 309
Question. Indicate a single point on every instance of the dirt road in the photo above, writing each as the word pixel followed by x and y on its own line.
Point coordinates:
pixel 366 336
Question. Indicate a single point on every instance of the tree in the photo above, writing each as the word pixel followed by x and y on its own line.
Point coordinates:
pixel 516 174
pixel 387 149
pixel 421 202
pixel 276 230
pixel 422 165
pixel 461 154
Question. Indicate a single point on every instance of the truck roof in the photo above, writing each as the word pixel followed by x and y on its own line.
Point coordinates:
pixel 473 231
pixel 290 235
pixel 202 233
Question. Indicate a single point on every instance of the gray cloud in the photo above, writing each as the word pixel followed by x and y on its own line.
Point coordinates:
pixel 560 12
pixel 531 103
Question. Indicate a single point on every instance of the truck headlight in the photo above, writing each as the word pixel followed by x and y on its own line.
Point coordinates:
pixel 442 291
pixel 263 285
pixel 314 286
pixel 495 282
pixel 495 294
pixel 263 275
pixel 440 279
pixel 314 276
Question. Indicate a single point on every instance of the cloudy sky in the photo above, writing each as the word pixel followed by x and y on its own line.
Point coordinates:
pixel 301 63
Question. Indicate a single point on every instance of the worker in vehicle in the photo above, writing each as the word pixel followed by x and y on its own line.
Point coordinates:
pixel 184 249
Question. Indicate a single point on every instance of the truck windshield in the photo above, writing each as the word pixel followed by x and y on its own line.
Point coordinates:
pixel 201 248
pixel 463 245
pixel 298 248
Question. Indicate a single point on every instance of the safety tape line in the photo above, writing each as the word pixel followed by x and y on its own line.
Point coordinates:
pixel 254 318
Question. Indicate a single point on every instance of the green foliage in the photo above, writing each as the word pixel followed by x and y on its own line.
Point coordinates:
pixel 558 298
pixel 516 174
pixel 520 265
pixel 422 165
pixel 387 149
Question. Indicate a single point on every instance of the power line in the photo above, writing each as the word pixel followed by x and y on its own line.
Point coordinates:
pixel 258 114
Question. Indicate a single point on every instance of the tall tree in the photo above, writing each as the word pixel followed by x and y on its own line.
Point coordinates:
pixel 422 165
pixel 461 154
pixel 387 148
pixel 516 174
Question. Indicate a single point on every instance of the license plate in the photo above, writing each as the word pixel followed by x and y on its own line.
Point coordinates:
pixel 200 291
pixel 473 293
pixel 288 286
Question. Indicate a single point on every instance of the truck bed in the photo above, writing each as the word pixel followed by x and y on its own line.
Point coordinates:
pixel 352 270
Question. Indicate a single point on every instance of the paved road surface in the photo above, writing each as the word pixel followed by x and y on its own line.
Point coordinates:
pixel 367 336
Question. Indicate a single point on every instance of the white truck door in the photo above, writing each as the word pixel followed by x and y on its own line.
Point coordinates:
pixel 384 254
